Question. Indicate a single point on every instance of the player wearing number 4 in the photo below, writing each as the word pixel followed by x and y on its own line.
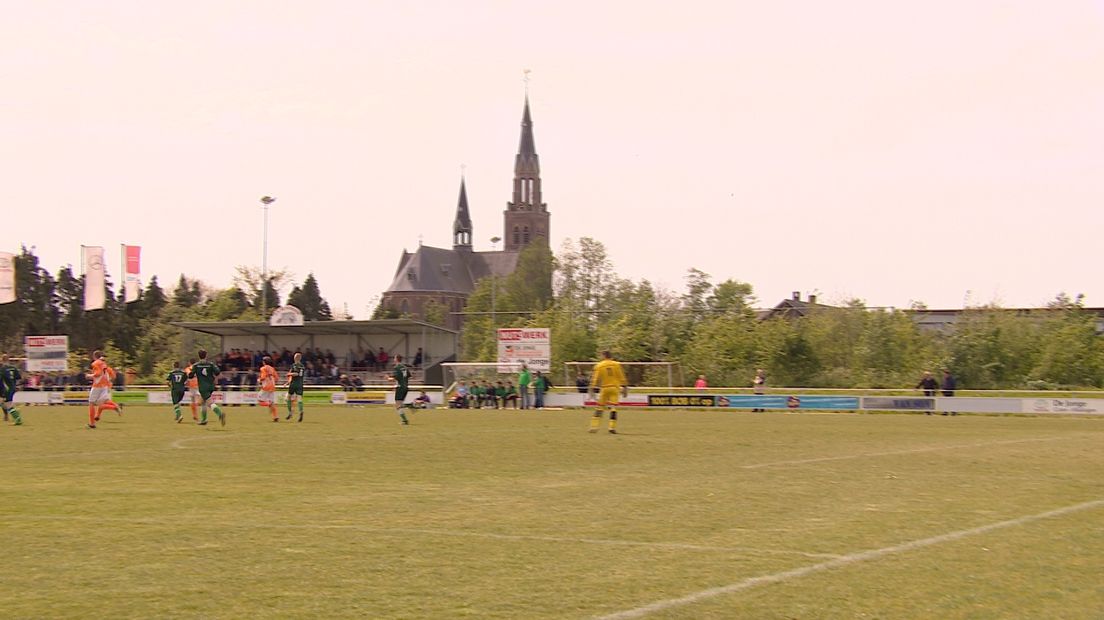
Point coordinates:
pixel 608 380
pixel 205 374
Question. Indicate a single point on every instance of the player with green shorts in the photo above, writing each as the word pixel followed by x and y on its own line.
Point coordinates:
pixel 9 385
pixel 401 376
pixel 205 373
pixel 295 384
pixel 178 387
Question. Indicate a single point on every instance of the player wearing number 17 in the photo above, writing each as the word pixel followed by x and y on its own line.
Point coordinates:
pixel 608 379
pixel 205 373
pixel 178 387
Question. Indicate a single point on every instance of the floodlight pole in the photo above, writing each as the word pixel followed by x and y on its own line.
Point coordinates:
pixel 494 285
pixel 265 201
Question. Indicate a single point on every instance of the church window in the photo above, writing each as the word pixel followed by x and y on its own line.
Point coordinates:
pixel 411 275
pixel 404 307
pixel 517 238
pixel 525 235
pixel 445 268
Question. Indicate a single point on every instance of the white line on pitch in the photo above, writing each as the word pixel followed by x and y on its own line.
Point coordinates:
pixel 862 556
pixel 461 533
pixel 589 541
pixel 894 452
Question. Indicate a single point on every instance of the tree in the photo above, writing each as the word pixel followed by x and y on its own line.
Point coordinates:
pixel 250 280
pixel 187 293
pixel 529 287
pixel 153 300
pixel 309 301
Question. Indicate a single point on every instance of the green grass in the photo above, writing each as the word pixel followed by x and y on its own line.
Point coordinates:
pixel 481 514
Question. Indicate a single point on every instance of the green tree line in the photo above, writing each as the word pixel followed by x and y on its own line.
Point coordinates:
pixel 138 335
pixel 711 328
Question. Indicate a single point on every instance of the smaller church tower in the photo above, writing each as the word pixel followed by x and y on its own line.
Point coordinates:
pixel 526 216
pixel 462 225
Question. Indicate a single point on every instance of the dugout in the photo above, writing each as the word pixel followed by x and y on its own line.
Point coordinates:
pixel 396 336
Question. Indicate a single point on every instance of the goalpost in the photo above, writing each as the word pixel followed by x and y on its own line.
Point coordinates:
pixel 640 374
pixel 646 374
pixel 455 372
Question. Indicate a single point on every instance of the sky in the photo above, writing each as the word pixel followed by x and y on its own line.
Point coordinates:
pixel 943 152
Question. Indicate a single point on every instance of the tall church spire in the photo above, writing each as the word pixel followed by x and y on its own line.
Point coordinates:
pixel 526 216
pixel 462 225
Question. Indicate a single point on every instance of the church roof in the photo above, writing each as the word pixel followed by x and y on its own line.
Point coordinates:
pixel 433 269
pixel 463 221
pixel 453 271
pixel 527 146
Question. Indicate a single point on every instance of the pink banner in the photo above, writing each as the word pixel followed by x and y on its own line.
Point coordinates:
pixel 132 258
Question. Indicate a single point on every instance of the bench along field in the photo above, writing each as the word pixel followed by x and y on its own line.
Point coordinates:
pixel 523 514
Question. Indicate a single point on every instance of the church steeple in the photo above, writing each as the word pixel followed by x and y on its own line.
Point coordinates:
pixel 462 225
pixel 526 216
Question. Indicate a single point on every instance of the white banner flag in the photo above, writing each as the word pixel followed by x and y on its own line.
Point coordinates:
pixel 132 268
pixel 93 259
pixel 7 278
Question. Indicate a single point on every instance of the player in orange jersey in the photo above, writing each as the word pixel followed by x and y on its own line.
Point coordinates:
pixel 99 397
pixel 193 390
pixel 267 379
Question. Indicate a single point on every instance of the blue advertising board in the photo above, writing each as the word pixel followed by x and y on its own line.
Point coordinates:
pixel 780 401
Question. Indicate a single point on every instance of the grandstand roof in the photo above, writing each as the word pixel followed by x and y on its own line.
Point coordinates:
pixel 313 328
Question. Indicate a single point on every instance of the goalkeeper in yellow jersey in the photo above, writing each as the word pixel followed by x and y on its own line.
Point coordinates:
pixel 608 380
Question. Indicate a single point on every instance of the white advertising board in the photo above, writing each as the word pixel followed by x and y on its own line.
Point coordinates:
pixel 524 345
pixel 1063 405
pixel 222 398
pixel 47 353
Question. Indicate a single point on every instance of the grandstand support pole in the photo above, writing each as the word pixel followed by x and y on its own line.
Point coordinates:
pixel 670 377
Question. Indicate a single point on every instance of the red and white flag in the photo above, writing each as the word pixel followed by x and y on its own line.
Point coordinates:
pixel 7 277
pixel 132 255
pixel 92 259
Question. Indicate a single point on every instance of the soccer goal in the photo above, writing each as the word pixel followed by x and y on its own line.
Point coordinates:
pixel 640 374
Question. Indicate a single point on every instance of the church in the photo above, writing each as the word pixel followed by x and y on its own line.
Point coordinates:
pixel 449 276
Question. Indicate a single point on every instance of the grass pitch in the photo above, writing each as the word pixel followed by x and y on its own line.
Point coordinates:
pixel 481 514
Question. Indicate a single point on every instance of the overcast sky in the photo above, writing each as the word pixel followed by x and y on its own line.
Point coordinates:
pixel 946 152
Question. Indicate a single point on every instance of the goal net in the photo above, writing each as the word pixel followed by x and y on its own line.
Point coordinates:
pixel 639 374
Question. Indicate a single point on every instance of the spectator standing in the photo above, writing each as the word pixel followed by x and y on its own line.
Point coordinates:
pixel 540 386
pixel 759 386
pixel 949 386
pixel 582 384
pixel 418 358
pixel 929 385
pixel 700 384
pixel 524 379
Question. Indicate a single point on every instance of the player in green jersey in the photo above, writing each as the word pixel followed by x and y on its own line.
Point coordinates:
pixel 205 373
pixel 401 376
pixel 9 385
pixel 178 386
pixel 295 385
